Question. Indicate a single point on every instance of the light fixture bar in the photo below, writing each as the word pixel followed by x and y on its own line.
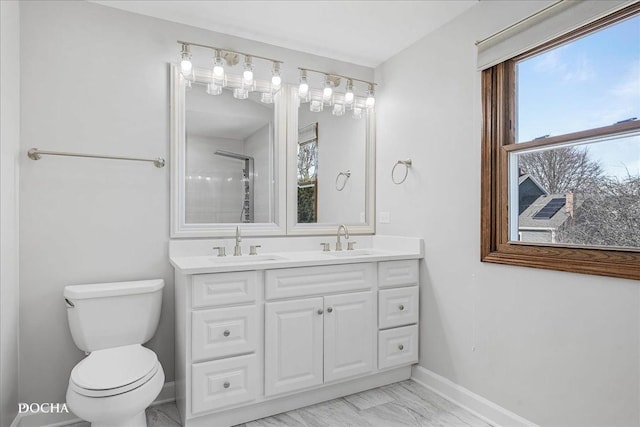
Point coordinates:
pixel 338 75
pixel 229 51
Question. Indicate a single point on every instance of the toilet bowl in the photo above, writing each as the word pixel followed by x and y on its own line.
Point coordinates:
pixel 112 388
pixel 115 383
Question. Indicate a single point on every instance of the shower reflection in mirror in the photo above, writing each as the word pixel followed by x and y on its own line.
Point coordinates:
pixel 229 158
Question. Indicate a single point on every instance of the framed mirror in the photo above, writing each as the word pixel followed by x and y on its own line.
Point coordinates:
pixel 227 165
pixel 330 167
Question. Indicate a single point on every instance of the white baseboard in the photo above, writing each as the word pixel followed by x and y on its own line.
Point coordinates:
pixel 167 394
pixel 478 405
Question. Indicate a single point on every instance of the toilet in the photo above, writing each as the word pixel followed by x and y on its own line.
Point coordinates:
pixel 115 383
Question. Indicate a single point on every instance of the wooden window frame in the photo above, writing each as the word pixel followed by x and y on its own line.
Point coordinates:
pixel 498 140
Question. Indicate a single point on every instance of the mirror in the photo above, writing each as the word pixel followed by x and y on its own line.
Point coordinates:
pixel 226 161
pixel 331 169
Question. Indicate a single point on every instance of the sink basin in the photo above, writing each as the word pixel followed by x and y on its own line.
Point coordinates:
pixel 355 252
pixel 246 259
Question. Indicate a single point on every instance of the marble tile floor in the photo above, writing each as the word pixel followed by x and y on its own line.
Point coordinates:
pixel 396 405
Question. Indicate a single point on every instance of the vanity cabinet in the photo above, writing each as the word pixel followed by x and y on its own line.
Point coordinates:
pixel 314 341
pixel 250 344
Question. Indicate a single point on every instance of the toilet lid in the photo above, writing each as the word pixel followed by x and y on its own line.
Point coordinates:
pixel 114 370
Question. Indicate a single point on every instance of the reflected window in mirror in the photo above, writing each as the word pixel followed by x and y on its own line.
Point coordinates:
pixel 308 173
pixel 229 174
pixel 340 146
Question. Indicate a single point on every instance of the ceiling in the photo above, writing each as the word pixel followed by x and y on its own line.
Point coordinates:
pixel 358 31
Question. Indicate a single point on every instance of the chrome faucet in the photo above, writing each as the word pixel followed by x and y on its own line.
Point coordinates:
pixel 346 236
pixel 237 249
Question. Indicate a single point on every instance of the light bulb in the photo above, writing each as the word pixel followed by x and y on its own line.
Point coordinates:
pixel 348 96
pixel 328 89
pixel 303 89
pixel 247 75
pixel 218 69
pixel 371 100
pixel 276 80
pixel 186 67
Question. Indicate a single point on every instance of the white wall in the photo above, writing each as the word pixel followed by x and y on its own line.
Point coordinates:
pixel 9 150
pixel 557 348
pixel 96 80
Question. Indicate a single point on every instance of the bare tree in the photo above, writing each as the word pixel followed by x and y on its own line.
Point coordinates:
pixel 610 217
pixel 562 169
pixel 307 162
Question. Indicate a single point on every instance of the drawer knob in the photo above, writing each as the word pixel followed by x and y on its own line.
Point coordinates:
pixel 226 333
pixel 226 384
pixel 401 307
pixel 400 347
pixel 330 309
pixel 320 311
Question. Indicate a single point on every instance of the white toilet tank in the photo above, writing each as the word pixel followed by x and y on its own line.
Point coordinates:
pixel 106 315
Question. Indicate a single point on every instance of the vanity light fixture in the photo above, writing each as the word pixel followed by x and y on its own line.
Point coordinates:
pixel 217 78
pixel 186 67
pixel 331 95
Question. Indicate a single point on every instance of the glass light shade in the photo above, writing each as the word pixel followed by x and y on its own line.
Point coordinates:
pixel 315 105
pixel 327 92
pixel 247 76
pixel 240 93
pixel 266 98
pixel 371 100
pixel 303 89
pixel 357 112
pixel 214 89
pixel 348 97
pixel 338 110
pixel 276 80
pixel 186 66
pixel 218 72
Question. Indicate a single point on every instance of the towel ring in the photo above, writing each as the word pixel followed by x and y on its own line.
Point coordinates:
pixel 407 164
pixel 346 175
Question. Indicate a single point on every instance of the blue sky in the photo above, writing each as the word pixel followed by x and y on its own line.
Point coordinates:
pixel 588 83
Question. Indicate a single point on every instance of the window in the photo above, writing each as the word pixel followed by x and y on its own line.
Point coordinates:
pixel 308 173
pixel 561 152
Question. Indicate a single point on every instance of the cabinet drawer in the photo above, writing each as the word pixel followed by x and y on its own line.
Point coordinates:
pixel 210 290
pixel 223 332
pixel 397 346
pixel 392 274
pixel 397 307
pixel 304 281
pixel 224 383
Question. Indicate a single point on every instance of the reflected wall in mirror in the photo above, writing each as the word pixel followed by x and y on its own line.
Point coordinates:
pixel 229 158
pixel 227 165
pixel 331 157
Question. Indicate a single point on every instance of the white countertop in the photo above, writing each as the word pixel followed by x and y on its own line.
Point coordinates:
pixel 384 248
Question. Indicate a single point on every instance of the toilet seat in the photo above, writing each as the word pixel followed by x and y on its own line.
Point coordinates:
pixel 114 371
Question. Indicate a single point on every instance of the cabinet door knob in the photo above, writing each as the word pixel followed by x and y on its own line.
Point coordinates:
pixel 226 333
pixel 330 309
pixel 400 347
pixel 226 384
pixel 401 307
pixel 320 311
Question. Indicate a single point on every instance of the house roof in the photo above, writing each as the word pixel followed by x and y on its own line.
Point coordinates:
pixel 527 220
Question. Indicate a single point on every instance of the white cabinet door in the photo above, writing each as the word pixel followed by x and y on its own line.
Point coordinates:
pixel 293 345
pixel 349 335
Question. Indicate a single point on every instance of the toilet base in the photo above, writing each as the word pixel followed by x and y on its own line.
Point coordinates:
pixel 140 420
